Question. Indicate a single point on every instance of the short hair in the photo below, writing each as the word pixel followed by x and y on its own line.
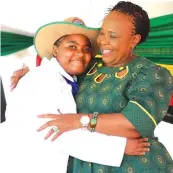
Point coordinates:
pixel 59 40
pixel 140 16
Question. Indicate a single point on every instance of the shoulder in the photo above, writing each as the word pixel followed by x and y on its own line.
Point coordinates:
pixel 42 74
pixel 45 69
pixel 145 67
pixel 146 74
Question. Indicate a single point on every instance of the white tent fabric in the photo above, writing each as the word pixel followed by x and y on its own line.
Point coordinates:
pixel 28 16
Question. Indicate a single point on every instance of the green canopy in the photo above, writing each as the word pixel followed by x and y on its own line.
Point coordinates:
pixel 158 47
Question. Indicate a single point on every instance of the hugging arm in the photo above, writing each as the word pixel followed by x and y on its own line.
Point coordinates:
pixel 115 144
pixel 149 97
pixel 93 147
pixel 17 75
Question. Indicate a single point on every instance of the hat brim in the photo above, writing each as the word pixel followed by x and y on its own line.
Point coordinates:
pixel 46 36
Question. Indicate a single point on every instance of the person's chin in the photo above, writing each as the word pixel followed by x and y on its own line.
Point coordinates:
pixel 77 71
pixel 77 67
pixel 105 59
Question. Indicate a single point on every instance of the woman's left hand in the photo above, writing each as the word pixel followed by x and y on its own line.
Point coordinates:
pixel 60 124
pixel 17 75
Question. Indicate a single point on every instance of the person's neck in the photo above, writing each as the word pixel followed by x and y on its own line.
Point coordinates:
pixel 127 60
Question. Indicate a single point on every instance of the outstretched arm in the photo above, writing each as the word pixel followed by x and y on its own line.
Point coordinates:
pixel 116 124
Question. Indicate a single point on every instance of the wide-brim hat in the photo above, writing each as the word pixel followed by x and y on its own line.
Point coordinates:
pixel 46 35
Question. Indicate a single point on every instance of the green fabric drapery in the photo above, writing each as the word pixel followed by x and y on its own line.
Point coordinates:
pixel 158 47
pixel 11 42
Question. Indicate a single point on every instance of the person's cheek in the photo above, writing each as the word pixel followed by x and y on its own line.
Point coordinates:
pixel 88 61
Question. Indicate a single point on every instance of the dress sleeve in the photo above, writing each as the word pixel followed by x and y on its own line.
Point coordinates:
pixel 148 98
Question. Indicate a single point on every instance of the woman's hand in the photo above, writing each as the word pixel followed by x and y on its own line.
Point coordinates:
pixel 63 122
pixel 17 75
pixel 137 147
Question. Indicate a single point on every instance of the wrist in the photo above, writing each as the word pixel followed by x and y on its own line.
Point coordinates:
pixel 93 121
pixel 89 125
pixel 85 121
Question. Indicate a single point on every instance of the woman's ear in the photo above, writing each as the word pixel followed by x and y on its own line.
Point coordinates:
pixel 55 50
pixel 136 40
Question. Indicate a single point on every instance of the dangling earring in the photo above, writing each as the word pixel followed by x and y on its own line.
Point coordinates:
pixel 132 49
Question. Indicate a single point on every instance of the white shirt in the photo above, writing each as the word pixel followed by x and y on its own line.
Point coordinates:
pixel 44 90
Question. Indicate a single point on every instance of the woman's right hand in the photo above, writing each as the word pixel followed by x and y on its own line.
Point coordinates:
pixel 137 147
pixel 17 75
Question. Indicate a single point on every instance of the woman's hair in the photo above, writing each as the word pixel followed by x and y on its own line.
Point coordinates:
pixel 140 16
pixel 58 42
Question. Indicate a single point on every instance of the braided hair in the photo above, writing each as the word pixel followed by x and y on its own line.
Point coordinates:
pixel 140 17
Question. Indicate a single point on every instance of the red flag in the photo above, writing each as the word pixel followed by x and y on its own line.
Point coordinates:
pixel 171 101
pixel 38 60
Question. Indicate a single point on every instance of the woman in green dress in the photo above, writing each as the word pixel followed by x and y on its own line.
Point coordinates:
pixel 130 93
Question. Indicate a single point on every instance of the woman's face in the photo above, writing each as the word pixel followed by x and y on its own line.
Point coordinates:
pixel 73 53
pixel 117 39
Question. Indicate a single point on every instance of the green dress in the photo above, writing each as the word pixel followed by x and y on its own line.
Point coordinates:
pixel 142 95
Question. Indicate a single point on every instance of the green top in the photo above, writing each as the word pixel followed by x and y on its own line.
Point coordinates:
pixel 142 95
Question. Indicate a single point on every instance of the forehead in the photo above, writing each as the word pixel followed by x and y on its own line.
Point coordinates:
pixel 118 22
pixel 78 38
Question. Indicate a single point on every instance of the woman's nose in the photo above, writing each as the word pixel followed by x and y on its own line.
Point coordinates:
pixel 80 54
pixel 103 40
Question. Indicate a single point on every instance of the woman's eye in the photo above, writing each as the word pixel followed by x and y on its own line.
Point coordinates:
pixel 101 33
pixel 72 47
pixel 113 36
